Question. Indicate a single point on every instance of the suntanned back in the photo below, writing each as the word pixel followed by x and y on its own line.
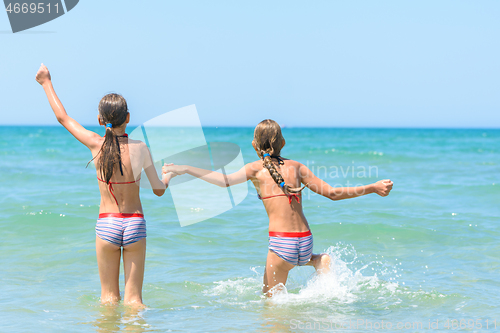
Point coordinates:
pixel 133 156
pixel 283 215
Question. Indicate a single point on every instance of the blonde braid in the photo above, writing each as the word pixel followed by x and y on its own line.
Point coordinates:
pixel 268 141
pixel 278 178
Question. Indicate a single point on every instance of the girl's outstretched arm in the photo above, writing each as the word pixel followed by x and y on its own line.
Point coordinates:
pixel 382 187
pixel 213 177
pixel 88 138
pixel 158 185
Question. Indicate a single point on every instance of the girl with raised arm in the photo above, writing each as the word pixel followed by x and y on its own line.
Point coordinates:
pixel 278 183
pixel 119 162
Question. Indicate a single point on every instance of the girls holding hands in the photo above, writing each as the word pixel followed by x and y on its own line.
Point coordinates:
pixel 121 227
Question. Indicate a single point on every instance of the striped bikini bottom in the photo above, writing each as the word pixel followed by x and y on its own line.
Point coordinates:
pixel 121 229
pixel 293 247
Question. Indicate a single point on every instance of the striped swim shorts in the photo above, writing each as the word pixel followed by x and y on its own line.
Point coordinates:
pixel 293 247
pixel 121 229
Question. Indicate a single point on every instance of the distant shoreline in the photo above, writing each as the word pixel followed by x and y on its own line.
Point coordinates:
pixel 285 128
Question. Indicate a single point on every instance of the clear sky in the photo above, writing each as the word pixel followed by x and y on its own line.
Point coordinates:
pixel 303 63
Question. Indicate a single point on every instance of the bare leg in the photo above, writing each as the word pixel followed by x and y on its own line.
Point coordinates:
pixel 134 256
pixel 321 262
pixel 108 261
pixel 276 272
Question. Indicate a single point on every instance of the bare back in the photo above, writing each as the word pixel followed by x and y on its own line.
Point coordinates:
pixel 283 215
pixel 135 156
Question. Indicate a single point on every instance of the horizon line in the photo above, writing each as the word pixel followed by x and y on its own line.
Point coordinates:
pixel 282 126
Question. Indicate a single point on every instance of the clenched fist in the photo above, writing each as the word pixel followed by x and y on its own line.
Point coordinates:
pixel 43 75
pixel 383 187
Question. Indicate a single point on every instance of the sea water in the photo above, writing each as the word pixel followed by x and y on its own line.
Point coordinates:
pixel 426 255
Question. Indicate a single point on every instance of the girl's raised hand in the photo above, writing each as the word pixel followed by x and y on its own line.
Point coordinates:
pixel 43 75
pixel 383 187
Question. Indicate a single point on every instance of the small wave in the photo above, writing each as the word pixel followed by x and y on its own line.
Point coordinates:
pixel 356 284
pixel 237 287
pixel 349 279
pixel 343 284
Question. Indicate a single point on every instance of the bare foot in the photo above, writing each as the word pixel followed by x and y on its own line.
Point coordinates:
pixel 134 304
pixel 110 300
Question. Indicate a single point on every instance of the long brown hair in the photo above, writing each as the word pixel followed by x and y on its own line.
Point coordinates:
pixel 268 140
pixel 113 112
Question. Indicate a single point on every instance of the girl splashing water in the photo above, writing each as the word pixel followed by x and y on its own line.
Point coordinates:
pixel 279 182
pixel 119 163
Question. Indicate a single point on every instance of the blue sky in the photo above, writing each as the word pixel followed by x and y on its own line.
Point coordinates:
pixel 318 63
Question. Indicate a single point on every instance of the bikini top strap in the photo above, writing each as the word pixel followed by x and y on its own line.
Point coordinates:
pixel 293 195
pixel 120 183
pixel 110 186
pixel 271 196
pixel 280 160
pixel 290 197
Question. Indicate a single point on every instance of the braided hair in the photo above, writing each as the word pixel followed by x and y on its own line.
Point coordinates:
pixel 113 112
pixel 267 142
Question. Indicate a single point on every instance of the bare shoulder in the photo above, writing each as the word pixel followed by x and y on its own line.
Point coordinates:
pixel 298 168
pixel 96 140
pixel 139 143
pixel 255 166
pixel 294 164
pixel 291 162
pixel 139 151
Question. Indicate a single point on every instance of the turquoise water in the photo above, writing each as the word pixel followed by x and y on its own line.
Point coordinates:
pixel 430 251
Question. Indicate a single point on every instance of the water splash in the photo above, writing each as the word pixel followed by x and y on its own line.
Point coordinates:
pixel 345 283
pixel 351 278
